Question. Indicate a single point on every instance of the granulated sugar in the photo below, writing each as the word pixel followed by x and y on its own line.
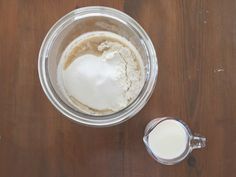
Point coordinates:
pixel 106 83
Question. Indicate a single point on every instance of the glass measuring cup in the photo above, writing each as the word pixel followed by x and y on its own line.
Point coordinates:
pixel 191 141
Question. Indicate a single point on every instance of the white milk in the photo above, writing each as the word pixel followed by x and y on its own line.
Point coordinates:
pixel 168 139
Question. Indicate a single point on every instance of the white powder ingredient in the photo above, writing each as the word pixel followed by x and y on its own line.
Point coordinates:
pixel 106 83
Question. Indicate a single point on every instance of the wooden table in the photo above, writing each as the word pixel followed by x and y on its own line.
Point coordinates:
pixel 196 45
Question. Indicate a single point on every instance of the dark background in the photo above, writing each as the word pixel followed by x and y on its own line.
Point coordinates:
pixel 196 45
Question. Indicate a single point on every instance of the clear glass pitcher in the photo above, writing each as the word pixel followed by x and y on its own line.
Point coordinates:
pixel 192 141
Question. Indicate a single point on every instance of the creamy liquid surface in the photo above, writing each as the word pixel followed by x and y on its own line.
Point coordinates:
pixel 168 139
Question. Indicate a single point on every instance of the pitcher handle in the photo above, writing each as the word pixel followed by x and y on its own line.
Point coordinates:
pixel 197 142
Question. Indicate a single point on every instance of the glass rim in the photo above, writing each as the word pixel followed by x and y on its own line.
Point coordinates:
pixel 86 119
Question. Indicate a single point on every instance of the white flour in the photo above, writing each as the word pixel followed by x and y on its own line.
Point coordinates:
pixel 103 84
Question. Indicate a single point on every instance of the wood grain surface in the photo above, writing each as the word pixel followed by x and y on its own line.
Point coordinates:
pixel 196 46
